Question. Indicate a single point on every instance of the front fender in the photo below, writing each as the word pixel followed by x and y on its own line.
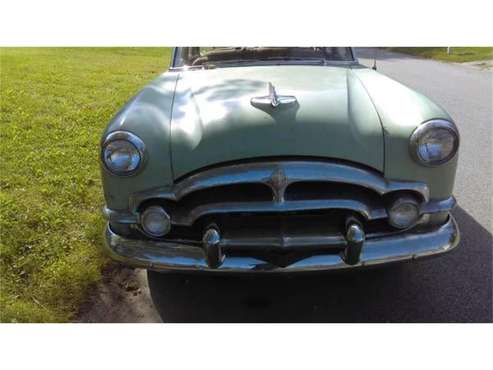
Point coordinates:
pixel 147 115
pixel 401 110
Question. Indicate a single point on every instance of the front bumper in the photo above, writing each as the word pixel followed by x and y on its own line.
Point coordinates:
pixel 162 256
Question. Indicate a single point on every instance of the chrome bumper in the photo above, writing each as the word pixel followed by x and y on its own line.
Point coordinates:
pixel 156 255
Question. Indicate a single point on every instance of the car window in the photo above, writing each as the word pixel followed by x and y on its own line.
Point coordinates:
pixel 199 56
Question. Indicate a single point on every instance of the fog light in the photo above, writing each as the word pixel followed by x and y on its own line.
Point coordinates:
pixel 155 221
pixel 404 212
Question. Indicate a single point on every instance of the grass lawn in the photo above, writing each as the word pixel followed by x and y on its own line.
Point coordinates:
pixel 54 104
pixel 457 54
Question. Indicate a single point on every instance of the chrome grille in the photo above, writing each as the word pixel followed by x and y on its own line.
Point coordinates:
pixel 276 212
pixel 277 203
pixel 278 188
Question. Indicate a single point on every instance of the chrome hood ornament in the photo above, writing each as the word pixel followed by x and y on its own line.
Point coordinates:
pixel 273 100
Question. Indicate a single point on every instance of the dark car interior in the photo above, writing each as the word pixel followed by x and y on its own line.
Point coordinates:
pixel 195 56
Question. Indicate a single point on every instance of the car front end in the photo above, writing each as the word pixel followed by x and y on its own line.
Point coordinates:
pixel 278 168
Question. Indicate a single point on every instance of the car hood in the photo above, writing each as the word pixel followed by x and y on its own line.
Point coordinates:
pixel 213 119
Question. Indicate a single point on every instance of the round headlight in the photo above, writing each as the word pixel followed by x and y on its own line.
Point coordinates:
pixel 155 221
pixel 434 142
pixel 403 212
pixel 122 153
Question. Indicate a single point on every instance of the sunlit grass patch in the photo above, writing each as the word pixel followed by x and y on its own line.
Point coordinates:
pixel 457 54
pixel 54 104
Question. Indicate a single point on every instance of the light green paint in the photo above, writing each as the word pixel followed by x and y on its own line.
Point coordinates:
pixel 196 118
pixel 401 110
pixel 213 120
pixel 148 115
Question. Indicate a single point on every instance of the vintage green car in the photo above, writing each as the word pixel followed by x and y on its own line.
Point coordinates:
pixel 262 159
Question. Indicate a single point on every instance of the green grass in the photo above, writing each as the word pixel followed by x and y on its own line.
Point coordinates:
pixel 54 104
pixel 457 54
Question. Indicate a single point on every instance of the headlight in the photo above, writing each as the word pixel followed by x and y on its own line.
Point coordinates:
pixel 434 142
pixel 123 153
pixel 403 212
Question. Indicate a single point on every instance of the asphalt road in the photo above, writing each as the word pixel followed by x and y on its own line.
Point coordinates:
pixel 453 288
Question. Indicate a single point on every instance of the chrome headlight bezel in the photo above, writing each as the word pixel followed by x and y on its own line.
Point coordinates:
pixel 134 140
pixel 425 128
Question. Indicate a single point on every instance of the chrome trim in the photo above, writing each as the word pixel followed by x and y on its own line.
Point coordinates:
pixel 439 205
pixel 119 216
pixel 272 99
pixel 267 172
pixel 355 239
pixel 188 217
pixel 211 237
pixel 132 139
pixel 212 247
pixel 175 256
pixel 355 234
pixel 370 213
pixel 423 129
pixel 398 202
pixel 285 241
pixel 163 213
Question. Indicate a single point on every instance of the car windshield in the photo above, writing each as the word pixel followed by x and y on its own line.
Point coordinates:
pixel 211 56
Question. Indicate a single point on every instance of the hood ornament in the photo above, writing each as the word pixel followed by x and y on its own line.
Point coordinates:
pixel 273 100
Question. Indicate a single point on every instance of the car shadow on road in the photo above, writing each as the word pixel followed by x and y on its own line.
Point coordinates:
pixel 453 288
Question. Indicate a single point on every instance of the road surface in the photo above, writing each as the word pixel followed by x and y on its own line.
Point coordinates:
pixel 454 288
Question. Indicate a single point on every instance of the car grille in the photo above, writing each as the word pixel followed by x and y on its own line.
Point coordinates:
pixel 271 205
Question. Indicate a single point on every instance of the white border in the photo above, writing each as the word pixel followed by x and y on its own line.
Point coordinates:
pixel 252 22
pixel 403 347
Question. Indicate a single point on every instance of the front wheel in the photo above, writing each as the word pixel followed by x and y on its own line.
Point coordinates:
pixel 201 297
pixel 168 293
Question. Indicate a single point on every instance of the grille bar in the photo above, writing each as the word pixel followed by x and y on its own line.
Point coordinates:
pixel 187 216
pixel 286 242
pixel 278 176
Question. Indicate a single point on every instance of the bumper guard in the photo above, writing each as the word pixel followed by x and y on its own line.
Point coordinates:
pixel 162 256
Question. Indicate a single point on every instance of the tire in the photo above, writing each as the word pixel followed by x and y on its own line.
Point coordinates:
pixel 165 292
pixel 212 298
